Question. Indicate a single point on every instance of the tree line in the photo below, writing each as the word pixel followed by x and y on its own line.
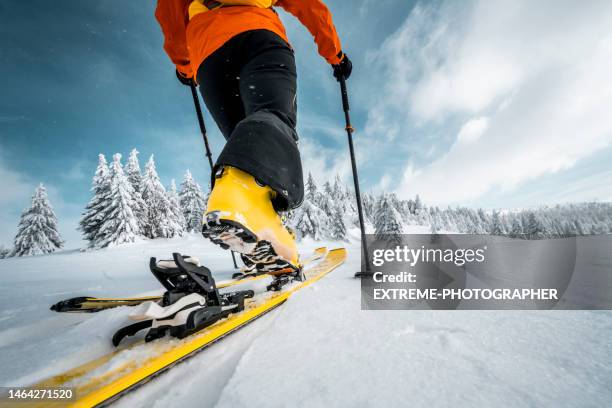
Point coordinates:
pixel 328 211
pixel 127 205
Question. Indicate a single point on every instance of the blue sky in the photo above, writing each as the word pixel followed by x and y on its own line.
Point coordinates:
pixel 482 103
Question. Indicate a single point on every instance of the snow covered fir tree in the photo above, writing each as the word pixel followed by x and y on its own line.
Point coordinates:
pixel 132 171
pixel 387 219
pixel 37 232
pixel 93 217
pixel 4 252
pixel 161 221
pixel 175 210
pixel 192 202
pixel 118 220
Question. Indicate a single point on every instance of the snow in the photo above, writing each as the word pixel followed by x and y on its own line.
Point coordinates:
pixel 319 349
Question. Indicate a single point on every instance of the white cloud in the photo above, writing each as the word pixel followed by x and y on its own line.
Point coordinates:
pixel 79 170
pixel 590 188
pixel 539 72
pixel 323 163
pixel 323 160
pixel 365 6
pixel 311 125
pixel 384 183
pixel 15 187
pixel 472 130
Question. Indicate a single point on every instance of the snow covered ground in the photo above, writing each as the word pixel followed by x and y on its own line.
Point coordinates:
pixel 319 349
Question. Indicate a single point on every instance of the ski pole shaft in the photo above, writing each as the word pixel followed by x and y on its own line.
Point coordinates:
pixel 196 103
pixel 349 132
pixel 198 108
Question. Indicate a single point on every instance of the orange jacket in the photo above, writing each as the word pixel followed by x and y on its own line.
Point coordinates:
pixel 189 42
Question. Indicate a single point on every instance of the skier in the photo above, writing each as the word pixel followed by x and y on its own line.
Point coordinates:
pixel 239 54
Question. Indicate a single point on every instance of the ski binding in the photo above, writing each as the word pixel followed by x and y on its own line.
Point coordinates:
pixel 191 301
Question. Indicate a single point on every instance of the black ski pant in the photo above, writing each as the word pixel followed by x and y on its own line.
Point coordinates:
pixel 249 87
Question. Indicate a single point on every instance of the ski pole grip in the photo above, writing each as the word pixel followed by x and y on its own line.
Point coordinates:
pixel 345 100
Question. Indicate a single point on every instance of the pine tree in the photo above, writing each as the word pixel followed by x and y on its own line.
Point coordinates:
pixel 327 189
pixel 157 215
pixel 387 220
pixel 534 228
pixel 4 252
pixel 449 222
pixel 348 206
pixel 337 190
pixel 132 171
pixel 192 203
pixel 568 229
pixel 578 228
pixel 310 221
pixel 312 193
pixel 395 202
pixel 517 229
pixel 177 219
pixel 95 211
pixel 37 231
pixel 120 225
pixel 435 224
pixel 349 194
pixel 337 226
pixel 418 205
pixel 410 204
pixel 368 206
pixel 327 205
pixel 599 229
pixel 497 227
pixel 484 222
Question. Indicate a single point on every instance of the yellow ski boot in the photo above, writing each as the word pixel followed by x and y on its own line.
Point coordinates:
pixel 240 216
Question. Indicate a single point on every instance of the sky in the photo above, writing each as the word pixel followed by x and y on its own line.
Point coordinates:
pixel 494 104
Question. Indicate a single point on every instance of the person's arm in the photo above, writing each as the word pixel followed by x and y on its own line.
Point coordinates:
pixel 317 18
pixel 173 18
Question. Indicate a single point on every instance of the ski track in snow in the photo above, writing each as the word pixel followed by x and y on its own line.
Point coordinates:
pixel 318 349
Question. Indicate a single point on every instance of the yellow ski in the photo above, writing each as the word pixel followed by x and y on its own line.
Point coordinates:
pixel 89 304
pixel 96 386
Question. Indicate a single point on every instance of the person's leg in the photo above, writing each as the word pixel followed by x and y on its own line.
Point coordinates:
pixel 218 78
pixel 268 80
pixel 264 143
pixel 259 170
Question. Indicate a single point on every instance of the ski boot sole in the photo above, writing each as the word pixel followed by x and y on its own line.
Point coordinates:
pixel 228 234
pixel 257 254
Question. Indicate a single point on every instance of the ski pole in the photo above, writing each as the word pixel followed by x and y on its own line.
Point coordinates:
pixel 196 102
pixel 198 108
pixel 349 132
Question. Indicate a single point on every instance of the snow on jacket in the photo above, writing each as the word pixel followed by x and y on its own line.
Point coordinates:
pixel 188 42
